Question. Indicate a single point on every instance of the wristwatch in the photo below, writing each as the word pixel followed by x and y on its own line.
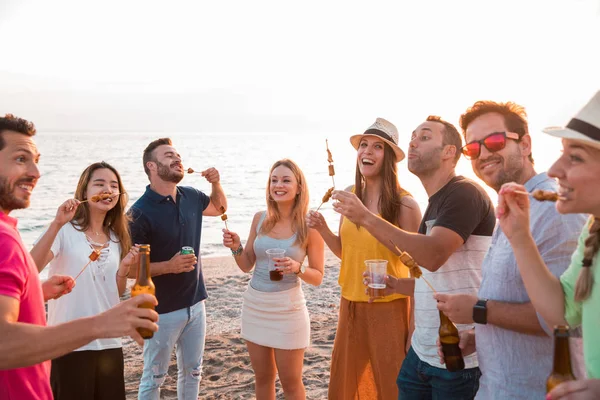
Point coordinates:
pixel 301 270
pixel 480 311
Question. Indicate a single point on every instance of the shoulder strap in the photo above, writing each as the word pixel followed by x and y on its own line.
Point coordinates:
pixel 260 221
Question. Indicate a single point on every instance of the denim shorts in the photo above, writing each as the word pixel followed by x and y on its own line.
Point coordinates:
pixel 418 380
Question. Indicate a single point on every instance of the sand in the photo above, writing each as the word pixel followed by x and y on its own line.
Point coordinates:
pixel 227 373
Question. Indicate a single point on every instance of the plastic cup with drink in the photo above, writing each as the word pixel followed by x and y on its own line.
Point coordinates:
pixel 274 273
pixel 377 270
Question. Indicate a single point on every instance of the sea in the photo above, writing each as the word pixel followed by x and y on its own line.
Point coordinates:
pixel 242 159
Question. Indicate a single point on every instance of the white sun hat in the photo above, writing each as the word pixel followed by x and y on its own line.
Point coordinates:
pixel 584 127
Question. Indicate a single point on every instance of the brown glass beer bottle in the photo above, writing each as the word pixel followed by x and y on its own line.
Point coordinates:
pixel 561 371
pixel 449 339
pixel 144 284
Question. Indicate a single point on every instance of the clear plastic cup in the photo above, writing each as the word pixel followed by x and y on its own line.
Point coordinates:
pixel 274 273
pixel 377 271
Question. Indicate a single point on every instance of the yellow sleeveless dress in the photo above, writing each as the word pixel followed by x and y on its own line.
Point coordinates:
pixel 359 245
pixel 371 338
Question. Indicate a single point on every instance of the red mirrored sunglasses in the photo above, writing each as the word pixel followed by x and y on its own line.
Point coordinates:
pixel 493 142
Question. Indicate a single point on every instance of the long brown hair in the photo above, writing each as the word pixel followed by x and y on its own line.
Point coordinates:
pixel 115 220
pixel 391 192
pixel 585 281
pixel 299 210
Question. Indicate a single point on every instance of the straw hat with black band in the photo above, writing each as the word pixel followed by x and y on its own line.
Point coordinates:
pixel 385 131
pixel 584 127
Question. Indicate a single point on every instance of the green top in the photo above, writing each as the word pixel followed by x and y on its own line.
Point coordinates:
pixel 586 313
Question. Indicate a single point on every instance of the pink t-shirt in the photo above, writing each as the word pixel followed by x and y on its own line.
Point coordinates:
pixel 19 279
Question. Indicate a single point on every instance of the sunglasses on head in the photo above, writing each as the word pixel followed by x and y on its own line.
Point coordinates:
pixel 493 142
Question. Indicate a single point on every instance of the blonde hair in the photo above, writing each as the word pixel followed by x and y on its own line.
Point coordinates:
pixel 299 210
pixel 585 281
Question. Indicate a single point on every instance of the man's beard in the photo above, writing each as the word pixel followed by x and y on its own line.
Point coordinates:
pixel 8 200
pixel 512 170
pixel 165 173
pixel 427 163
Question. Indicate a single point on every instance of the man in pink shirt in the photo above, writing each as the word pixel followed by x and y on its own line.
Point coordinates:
pixel 27 343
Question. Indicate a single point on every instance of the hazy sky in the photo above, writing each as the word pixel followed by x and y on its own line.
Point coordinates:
pixel 291 66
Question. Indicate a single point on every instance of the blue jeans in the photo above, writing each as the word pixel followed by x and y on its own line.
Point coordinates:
pixel 185 328
pixel 418 380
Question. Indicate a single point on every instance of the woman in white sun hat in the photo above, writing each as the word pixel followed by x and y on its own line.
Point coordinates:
pixel 574 299
pixel 371 338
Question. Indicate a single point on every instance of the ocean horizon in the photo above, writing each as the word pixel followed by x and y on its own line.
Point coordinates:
pixel 243 161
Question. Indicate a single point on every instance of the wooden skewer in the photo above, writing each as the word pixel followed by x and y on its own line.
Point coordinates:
pixel 422 277
pixel 83 269
pixel 319 207
pixel 428 284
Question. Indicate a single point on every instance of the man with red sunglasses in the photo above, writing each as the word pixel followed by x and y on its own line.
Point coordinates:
pixel 514 348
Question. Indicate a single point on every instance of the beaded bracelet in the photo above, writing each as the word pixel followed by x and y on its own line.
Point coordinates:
pixel 238 251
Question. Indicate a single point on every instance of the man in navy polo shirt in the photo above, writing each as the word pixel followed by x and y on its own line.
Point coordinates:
pixel 169 217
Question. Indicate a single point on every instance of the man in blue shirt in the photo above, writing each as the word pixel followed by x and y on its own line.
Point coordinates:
pixel 169 217
pixel 513 347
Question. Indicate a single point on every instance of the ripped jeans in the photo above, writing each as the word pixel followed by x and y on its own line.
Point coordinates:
pixel 184 329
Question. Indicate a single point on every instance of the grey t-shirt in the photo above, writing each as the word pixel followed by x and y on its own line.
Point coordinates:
pixel 260 276
pixel 516 365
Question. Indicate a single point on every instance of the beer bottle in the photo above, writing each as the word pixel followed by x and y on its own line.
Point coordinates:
pixel 144 284
pixel 449 339
pixel 561 371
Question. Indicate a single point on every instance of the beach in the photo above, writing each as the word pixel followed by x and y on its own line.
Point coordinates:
pixel 226 372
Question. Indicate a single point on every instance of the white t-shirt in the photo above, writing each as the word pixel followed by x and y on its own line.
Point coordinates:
pixel 95 290
pixel 460 274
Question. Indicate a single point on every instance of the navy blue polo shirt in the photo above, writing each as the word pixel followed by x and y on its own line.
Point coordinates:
pixel 167 226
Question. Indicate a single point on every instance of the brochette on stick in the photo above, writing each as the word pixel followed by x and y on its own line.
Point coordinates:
pixel 192 171
pixel 329 192
pixel 99 197
pixel 542 195
pixel 223 216
pixel 415 270
pixel 93 257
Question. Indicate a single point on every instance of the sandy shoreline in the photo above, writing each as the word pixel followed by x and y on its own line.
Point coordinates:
pixel 227 373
